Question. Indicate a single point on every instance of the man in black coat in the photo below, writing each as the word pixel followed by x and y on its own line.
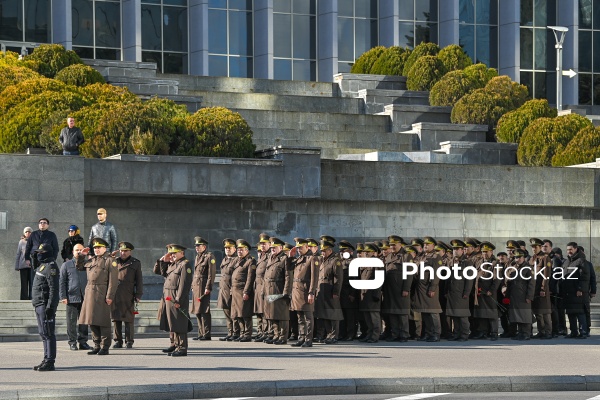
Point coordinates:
pixel 576 290
pixel 592 292
pixel 44 297
pixel 42 235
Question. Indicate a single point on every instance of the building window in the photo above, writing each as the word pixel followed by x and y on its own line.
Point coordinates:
pixel 418 22
pixel 589 61
pixel 537 48
pixel 357 30
pixel 478 30
pixel 295 50
pixel 165 35
pixel 25 21
pixel 230 49
pixel 97 28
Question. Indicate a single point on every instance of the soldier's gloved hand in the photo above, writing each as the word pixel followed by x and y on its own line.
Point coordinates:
pixel 50 314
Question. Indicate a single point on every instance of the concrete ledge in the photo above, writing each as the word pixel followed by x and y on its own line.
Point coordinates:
pixel 233 389
pixel 549 383
pixel 89 393
pixel 321 387
pixel 155 392
pixel 393 386
pixel 468 385
pixel 592 382
pixel 350 84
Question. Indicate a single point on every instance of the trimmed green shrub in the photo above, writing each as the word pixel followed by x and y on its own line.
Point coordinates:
pixel 52 58
pixel 425 73
pixel 512 124
pixel 18 93
pixel 22 125
pixel 545 137
pixel 217 132
pixel 454 57
pixel 479 74
pixel 103 93
pixel 12 58
pixel 422 49
pixel 448 90
pixel 364 63
pixel 12 74
pixel 391 61
pixel 513 94
pixel 79 75
pixel 584 148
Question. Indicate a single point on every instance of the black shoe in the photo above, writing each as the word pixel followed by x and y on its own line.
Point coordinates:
pixel 372 341
pixel 118 345
pixel 129 346
pixel 280 341
pixel 73 346
pixel 196 338
pixel 269 341
pixel 537 336
pixel 259 339
pixel 205 337
pixel 330 341
pixel 95 351
pixel 307 344
pixel 433 339
pixel 493 337
pixel 234 338
pixel 298 343
pixel 169 349
pixel 401 339
pixel 244 339
pixel 36 367
pixel 363 339
pixel 423 338
pixel 547 336
pixel 103 352
pixel 47 366
pixel 478 335
pixel 225 338
pixel 572 335
pixel 348 339
pixel 292 337
pixel 318 340
pixel 582 336
pixel 523 336
pixel 384 336
pixel 178 353
pixel 391 339
pixel 460 339
pixel 84 346
pixel 505 335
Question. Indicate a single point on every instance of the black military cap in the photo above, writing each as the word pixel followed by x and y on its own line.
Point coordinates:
pixel 125 246
pixel 300 241
pixel 276 241
pixel 417 242
pixel 519 253
pixel 371 247
pixel 328 238
pixel 502 254
pixel 487 246
pixel 471 242
pixel 429 240
pixel 360 247
pixel 228 242
pixel 521 243
pixel 439 247
pixel 536 242
pixel 512 244
pixel 457 244
pixel 385 245
pixel 241 243
pixel 264 238
pixel 287 246
pixel 99 242
pixel 199 240
pixel 325 244
pixel 344 244
pixel 44 248
pixel 312 242
pixel 394 239
pixel 174 248
pixel 410 249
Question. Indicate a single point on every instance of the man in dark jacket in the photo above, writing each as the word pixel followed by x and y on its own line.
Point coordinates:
pixel 44 297
pixel 70 242
pixel 72 286
pixel 576 290
pixel 71 138
pixel 42 235
pixel 592 292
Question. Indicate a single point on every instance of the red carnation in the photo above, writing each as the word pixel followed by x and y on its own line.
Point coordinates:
pixel 199 299
pixel 506 300
pixel 168 298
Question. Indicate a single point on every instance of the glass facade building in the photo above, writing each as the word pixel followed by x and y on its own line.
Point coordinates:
pixel 315 39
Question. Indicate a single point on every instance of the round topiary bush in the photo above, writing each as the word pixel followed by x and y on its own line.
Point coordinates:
pixel 477 107
pixel 18 93
pixel 22 124
pixel 454 57
pixel 11 74
pixel 422 49
pixel 79 75
pixel 584 148
pixel 545 137
pixel 106 93
pixel 217 132
pixel 364 63
pixel 479 74
pixel 52 58
pixel 513 94
pixel 512 124
pixel 448 90
pixel 425 73
pixel 391 61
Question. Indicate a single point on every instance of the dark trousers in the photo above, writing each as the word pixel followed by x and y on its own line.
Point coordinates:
pixel 46 329
pixel 559 321
pixel 431 324
pixel 180 341
pixel 100 336
pixel 245 325
pixel 261 324
pixel 574 320
pixel 281 329
pixel 77 333
pixel 233 327
pixel 293 323
pixel 331 328
pixel 387 329
pixel 588 317
pixel 544 323
pixel 204 324
pixel 399 325
pixel 305 325
pixel 461 327
pixel 26 283
pixel 373 321
pixel 118 331
pixel 349 326
pixel 487 325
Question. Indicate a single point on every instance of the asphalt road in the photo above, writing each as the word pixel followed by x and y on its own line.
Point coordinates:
pixel 442 396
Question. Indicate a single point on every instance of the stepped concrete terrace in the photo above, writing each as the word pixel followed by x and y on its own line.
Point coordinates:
pixel 351 84
pixel 376 99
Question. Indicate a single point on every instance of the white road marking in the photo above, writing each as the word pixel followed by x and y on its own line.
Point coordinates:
pixel 419 396
pixel 594 398
pixel 234 398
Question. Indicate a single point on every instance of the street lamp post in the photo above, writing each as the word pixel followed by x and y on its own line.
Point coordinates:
pixel 559 35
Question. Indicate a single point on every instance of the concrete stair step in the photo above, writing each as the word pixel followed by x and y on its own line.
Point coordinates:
pixel 376 99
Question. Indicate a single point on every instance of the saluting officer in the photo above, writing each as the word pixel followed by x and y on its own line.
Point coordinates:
pixel 205 269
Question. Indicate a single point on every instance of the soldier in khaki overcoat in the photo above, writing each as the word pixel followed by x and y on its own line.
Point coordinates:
pixel 205 268
pixel 370 299
pixel 278 281
pixel 426 297
pixel 242 294
pixel 458 290
pixel 129 292
pixel 485 310
pixel 228 264
pixel 102 282
pixel 520 289
pixel 541 305
pixel 327 303
pixel 259 296
pixel 306 275
pixel 396 291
